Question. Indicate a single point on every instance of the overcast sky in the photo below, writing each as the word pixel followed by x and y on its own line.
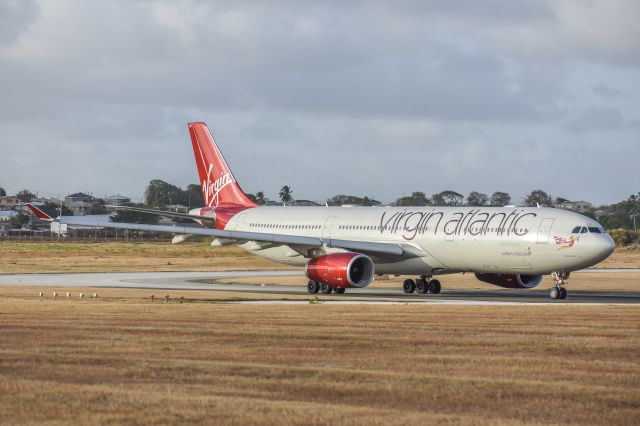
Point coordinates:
pixel 364 98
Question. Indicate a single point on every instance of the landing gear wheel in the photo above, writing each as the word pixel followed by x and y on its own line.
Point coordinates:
pixel 422 287
pixel 409 286
pixel 559 280
pixel 339 290
pixel 313 287
pixel 563 293
pixel 325 288
pixel 434 286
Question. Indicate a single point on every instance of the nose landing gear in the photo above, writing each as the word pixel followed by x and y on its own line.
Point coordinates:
pixel 559 280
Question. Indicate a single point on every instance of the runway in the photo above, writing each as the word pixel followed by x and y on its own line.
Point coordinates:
pixel 371 294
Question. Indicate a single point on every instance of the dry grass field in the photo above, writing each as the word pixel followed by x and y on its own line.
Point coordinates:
pixel 127 360
pixel 121 359
pixel 66 257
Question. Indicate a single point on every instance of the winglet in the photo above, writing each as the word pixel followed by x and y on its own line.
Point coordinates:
pixel 42 215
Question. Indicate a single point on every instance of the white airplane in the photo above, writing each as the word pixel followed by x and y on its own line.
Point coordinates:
pixel 510 247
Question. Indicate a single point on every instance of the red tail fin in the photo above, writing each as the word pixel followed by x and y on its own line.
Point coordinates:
pixel 219 187
pixel 42 215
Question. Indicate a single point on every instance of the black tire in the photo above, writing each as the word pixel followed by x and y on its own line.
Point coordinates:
pixel 313 287
pixel 563 293
pixel 339 290
pixel 422 287
pixel 554 293
pixel 434 286
pixel 409 286
pixel 325 288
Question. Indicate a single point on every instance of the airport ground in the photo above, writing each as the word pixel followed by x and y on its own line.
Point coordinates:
pixel 121 358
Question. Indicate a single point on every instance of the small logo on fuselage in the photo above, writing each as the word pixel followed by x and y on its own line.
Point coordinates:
pixel 565 242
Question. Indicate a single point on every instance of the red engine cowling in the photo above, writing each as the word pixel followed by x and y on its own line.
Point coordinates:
pixel 341 270
pixel 511 280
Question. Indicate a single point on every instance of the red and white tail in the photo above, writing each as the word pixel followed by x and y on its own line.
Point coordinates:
pixel 219 187
pixel 42 215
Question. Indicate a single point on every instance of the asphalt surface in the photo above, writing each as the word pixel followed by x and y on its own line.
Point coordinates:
pixel 206 281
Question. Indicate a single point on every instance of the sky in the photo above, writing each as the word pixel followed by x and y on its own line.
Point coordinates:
pixel 361 97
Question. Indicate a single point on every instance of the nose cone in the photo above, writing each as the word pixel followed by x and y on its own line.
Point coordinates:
pixel 602 248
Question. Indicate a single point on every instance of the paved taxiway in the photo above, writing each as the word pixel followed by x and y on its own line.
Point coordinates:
pixel 203 281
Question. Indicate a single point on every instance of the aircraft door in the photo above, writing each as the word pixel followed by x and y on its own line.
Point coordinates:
pixel 326 229
pixel 544 230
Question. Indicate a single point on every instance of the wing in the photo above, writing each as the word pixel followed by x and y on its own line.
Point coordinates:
pixel 239 237
pixel 163 213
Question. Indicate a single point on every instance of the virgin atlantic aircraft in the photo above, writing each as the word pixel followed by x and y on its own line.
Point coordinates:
pixel 340 247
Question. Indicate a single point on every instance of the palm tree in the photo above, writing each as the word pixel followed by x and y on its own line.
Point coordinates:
pixel 260 198
pixel 285 194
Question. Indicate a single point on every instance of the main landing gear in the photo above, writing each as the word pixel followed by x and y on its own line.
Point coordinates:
pixel 422 285
pixel 314 287
pixel 559 280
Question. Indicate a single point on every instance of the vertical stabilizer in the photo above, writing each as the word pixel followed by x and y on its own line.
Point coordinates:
pixel 219 187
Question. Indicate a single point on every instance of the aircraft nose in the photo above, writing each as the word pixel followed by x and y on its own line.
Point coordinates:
pixel 608 246
pixel 604 246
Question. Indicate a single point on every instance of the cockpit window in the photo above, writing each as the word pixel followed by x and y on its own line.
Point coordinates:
pixel 584 230
pixel 595 230
pixel 576 230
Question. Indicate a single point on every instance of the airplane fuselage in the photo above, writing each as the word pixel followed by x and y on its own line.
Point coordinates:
pixel 502 240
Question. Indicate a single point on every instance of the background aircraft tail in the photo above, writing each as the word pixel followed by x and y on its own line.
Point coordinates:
pixel 219 187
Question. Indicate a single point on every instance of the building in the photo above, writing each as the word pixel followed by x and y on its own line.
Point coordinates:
pixel 5 220
pixel 576 206
pixel 80 203
pixel 8 202
pixel 117 200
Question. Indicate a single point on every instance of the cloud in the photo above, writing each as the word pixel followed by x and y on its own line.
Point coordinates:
pixel 321 96
pixel 596 118
pixel 15 17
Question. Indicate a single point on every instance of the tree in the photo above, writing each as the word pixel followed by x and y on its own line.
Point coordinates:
pixel 3 193
pixel 160 193
pixel 341 200
pixel 447 198
pixel 285 194
pixel 260 200
pixel 98 208
pixel 53 209
pixel 477 199
pixel 500 199
pixel 20 220
pixel 194 196
pixel 538 197
pixel 135 217
pixel 25 195
pixel 415 199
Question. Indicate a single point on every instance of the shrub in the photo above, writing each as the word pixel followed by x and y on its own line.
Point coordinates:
pixel 624 237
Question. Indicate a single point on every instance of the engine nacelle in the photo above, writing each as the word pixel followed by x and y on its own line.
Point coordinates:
pixel 511 280
pixel 341 270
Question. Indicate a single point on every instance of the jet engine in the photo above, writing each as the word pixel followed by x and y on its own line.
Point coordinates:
pixel 511 280
pixel 341 270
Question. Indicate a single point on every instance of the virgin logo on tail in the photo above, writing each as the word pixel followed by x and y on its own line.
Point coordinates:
pixel 211 188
